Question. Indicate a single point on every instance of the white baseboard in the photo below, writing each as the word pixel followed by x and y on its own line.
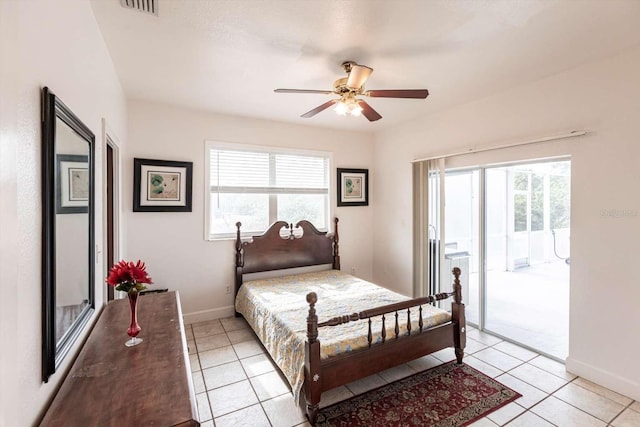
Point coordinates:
pixel 205 315
pixel 604 378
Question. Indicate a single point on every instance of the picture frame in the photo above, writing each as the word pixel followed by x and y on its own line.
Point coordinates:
pixel 72 173
pixel 353 187
pixel 162 185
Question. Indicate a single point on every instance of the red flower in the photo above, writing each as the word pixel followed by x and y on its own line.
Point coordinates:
pixel 128 277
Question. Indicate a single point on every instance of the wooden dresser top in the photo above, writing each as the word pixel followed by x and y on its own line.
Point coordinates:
pixel 113 385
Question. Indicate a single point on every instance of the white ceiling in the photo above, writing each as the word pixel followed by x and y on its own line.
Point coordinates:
pixel 228 56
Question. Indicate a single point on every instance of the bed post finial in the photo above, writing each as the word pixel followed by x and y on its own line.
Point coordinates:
pixel 312 319
pixel 336 247
pixel 239 262
pixel 457 288
pixel 238 245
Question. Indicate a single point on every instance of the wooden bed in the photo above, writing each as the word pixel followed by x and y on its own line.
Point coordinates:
pixel 271 251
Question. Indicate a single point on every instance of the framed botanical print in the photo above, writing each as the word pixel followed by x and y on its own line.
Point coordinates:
pixel 353 187
pixel 72 195
pixel 162 185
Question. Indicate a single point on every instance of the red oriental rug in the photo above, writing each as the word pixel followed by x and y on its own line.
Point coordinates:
pixel 448 395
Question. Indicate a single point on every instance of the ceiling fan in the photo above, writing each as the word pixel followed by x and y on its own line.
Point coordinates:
pixel 350 87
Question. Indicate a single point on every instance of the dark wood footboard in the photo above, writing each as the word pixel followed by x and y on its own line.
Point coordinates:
pixel 322 375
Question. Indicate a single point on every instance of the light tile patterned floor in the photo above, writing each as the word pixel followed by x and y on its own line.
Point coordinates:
pixel 236 383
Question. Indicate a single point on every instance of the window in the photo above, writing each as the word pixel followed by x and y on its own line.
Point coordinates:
pixel 560 190
pixel 520 201
pixel 520 212
pixel 523 205
pixel 537 202
pixel 259 185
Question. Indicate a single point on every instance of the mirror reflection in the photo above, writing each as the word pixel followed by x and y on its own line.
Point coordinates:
pixel 72 227
pixel 68 174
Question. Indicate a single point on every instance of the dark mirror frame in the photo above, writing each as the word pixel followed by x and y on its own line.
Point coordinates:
pixel 54 352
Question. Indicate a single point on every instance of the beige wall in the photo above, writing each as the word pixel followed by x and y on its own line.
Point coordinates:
pixel 55 44
pixel 172 244
pixel 603 98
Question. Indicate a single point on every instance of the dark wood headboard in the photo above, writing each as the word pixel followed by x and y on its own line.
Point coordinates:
pixel 270 251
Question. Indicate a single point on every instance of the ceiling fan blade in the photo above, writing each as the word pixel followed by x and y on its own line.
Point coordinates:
pixel 318 109
pixel 367 111
pixel 398 93
pixel 326 92
pixel 358 75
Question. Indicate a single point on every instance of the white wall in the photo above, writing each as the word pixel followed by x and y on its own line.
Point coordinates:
pixel 172 244
pixel 58 44
pixel 603 98
pixel 55 44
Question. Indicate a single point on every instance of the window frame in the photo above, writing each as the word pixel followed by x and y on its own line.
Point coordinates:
pixel 234 146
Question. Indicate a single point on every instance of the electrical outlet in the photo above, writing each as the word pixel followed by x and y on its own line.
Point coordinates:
pixel 227 289
pixel 353 270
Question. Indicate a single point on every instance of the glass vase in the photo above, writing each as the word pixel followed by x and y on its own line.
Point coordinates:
pixel 134 328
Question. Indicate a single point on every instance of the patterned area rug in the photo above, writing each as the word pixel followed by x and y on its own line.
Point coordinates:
pixel 448 395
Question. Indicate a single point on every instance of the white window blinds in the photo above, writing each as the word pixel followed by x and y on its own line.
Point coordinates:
pixel 260 186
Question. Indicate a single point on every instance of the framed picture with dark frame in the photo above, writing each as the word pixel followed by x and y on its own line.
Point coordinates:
pixel 353 187
pixel 162 185
pixel 72 195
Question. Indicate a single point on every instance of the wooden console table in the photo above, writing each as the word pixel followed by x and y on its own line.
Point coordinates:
pixel 113 385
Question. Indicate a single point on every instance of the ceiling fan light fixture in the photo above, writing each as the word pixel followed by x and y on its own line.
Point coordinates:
pixel 348 106
pixel 341 108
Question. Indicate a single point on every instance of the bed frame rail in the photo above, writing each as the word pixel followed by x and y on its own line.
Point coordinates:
pixel 395 308
pixel 388 309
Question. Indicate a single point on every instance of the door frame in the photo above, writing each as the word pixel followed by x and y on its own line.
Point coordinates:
pixel 111 169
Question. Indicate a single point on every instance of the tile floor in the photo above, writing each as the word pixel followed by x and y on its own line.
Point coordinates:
pixel 236 383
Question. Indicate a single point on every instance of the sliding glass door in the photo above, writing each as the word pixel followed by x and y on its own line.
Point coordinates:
pixel 462 231
pixel 508 228
pixel 527 208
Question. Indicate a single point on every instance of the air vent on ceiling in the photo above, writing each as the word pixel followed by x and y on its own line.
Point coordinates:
pixel 145 6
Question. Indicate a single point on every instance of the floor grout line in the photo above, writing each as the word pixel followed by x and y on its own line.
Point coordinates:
pixel 538 415
pixel 250 385
pixel 624 409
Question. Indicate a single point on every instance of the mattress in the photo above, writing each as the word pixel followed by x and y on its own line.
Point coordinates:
pixel 276 309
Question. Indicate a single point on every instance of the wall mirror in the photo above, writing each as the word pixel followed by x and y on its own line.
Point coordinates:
pixel 68 172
